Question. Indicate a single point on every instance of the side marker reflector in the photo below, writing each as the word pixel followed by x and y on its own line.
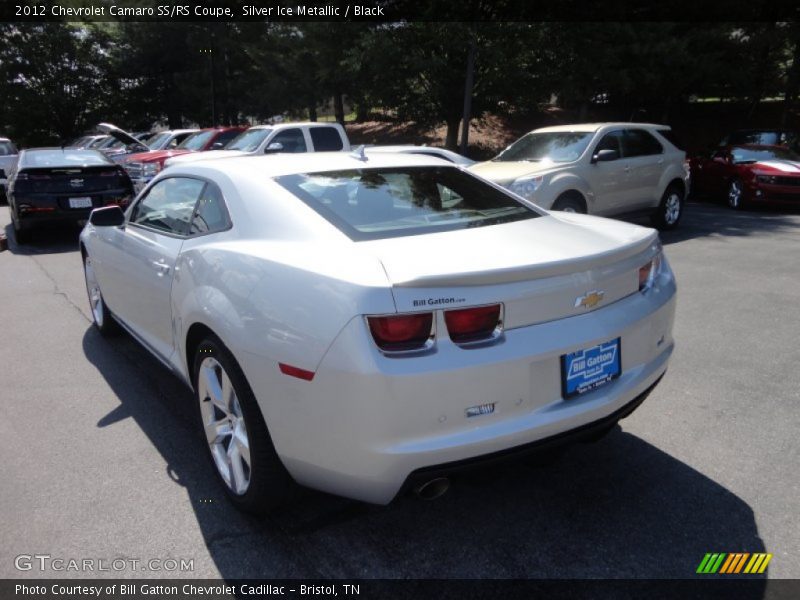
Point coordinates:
pixel 296 372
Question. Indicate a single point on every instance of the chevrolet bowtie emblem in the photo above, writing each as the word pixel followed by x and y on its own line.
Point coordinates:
pixel 589 299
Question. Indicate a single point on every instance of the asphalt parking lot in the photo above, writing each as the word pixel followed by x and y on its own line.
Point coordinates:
pixel 101 459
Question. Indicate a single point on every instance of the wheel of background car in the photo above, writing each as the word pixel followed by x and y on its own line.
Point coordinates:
pixel 735 194
pixel 670 210
pixel 235 432
pixel 101 316
pixel 570 202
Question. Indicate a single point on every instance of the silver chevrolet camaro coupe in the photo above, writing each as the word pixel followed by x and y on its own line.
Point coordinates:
pixel 366 324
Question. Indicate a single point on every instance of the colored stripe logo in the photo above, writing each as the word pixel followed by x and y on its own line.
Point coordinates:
pixel 734 563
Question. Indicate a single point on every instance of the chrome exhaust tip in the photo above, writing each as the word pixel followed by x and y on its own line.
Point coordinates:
pixel 433 489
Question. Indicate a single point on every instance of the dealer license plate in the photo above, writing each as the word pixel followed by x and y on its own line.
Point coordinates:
pixel 588 369
pixel 83 202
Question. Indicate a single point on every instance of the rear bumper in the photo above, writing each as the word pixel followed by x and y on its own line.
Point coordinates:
pixel 579 434
pixel 367 422
pixel 32 211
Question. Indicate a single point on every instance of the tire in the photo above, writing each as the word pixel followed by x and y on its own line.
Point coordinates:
pixel 234 427
pixel 570 203
pixel 21 236
pixel 101 317
pixel 735 197
pixel 670 210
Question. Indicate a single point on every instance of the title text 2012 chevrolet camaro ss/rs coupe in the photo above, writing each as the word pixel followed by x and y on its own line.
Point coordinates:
pixel 361 324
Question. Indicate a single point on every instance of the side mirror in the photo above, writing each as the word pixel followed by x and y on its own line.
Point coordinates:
pixel 605 155
pixel 108 216
pixel 274 147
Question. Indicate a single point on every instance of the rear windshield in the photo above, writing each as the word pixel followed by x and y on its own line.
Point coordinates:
pixel 7 148
pixel 62 158
pixel 371 204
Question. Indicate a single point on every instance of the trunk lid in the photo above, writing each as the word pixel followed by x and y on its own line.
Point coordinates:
pixel 539 269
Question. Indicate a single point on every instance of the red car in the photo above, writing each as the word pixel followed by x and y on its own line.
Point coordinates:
pixel 748 174
pixel 143 166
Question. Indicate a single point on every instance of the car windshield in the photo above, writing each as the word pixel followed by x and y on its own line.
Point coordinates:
pixel 249 140
pixel 743 155
pixel 159 140
pixel 7 148
pixel 196 141
pixel 369 204
pixel 557 147
pixel 62 158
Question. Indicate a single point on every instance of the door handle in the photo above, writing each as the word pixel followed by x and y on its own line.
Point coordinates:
pixel 161 267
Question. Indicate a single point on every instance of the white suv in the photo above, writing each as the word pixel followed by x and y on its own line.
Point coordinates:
pixel 599 168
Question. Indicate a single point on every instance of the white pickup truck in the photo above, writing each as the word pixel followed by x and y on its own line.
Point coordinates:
pixel 272 139
pixel 8 158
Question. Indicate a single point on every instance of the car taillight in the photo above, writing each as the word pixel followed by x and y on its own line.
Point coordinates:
pixel 473 324
pixel 402 333
pixel 648 272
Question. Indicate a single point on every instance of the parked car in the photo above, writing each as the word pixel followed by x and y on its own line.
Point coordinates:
pixel 605 169
pixel 142 167
pixel 443 153
pixel 62 185
pixel 763 137
pixel 8 157
pixel 278 138
pixel 87 141
pixel 748 174
pixel 166 140
pixel 364 324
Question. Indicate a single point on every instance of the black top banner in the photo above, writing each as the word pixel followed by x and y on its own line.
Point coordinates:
pixel 387 11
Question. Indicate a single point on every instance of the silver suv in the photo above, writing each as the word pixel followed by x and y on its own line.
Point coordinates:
pixel 603 169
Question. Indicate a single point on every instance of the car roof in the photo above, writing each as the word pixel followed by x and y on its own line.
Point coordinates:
pixel 591 127
pixel 284 125
pixel 276 165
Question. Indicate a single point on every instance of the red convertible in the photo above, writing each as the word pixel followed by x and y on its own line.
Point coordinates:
pixel 748 174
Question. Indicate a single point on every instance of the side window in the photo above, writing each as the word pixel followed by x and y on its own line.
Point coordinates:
pixel 326 139
pixel 169 205
pixel 610 141
pixel 210 215
pixel 638 142
pixel 176 141
pixel 292 140
pixel 225 137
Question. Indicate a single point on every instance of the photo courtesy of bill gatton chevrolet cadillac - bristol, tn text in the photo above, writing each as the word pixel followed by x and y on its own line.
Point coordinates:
pixel 363 324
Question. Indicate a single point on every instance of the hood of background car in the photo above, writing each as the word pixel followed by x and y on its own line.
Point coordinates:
pixel 118 134
pixel 506 172
pixel 776 167
pixel 155 155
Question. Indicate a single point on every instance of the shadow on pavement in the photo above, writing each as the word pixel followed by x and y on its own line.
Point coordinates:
pixel 715 220
pixel 46 240
pixel 619 508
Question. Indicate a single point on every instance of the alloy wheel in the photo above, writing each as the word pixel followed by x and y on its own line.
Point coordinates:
pixel 735 194
pixel 224 425
pixel 93 288
pixel 672 208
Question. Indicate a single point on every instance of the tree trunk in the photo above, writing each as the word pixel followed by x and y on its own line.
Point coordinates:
pixel 790 93
pixel 468 85
pixel 312 110
pixel 451 141
pixel 338 107
pixel 362 112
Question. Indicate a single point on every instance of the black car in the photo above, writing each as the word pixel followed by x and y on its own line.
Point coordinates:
pixel 63 185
